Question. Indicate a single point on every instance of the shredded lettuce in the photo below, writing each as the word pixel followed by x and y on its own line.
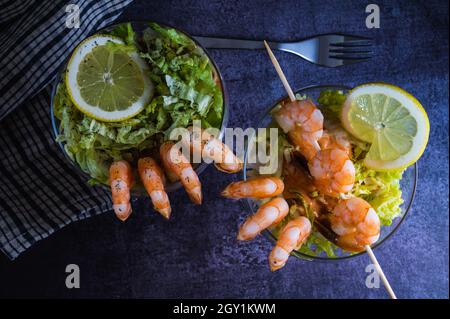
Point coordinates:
pixel 183 76
pixel 381 190
pixel 185 90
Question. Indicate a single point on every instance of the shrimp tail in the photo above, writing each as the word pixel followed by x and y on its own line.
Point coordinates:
pixel 278 258
pixel 227 192
pixel 292 236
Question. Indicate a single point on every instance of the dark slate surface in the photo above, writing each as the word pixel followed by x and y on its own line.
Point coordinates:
pixel 196 253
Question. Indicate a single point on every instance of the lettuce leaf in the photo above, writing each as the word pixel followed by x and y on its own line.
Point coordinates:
pixel 182 72
pixel 185 91
pixel 125 32
pixel 381 190
pixel 331 102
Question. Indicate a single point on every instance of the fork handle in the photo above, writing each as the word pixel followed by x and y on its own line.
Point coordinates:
pixel 223 43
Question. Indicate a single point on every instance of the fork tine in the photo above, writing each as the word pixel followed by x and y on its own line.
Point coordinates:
pixel 350 50
pixel 339 49
pixel 353 43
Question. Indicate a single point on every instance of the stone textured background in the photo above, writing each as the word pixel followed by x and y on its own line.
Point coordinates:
pixel 196 253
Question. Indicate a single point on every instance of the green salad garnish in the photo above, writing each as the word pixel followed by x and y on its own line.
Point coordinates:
pixel 185 90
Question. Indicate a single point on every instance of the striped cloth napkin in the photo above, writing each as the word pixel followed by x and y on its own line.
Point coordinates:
pixel 39 191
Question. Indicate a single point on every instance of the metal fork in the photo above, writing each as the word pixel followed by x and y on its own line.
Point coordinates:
pixel 330 50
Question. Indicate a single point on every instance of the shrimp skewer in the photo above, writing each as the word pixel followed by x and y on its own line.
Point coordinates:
pixel 333 171
pixel 354 220
pixel 270 213
pixel 211 147
pixel 336 139
pixel 153 179
pixel 176 163
pixel 292 236
pixel 356 223
pixel 331 168
pixel 301 120
pixel 357 226
pixel 121 180
pixel 259 187
pixel 303 123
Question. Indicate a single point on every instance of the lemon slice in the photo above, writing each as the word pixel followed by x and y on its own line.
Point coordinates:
pixel 391 119
pixel 106 84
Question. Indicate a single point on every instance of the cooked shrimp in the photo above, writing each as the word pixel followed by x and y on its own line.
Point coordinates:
pixel 356 223
pixel 292 236
pixel 121 180
pixel 333 171
pixel 211 147
pixel 178 164
pixel 296 181
pixel 153 179
pixel 303 122
pixel 259 187
pixel 170 175
pixel 270 213
pixel 335 139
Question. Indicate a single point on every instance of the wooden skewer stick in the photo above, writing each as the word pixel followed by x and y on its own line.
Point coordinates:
pixel 280 72
pixel 380 272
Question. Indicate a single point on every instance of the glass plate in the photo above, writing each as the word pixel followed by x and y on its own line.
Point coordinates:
pixel 408 184
pixel 138 27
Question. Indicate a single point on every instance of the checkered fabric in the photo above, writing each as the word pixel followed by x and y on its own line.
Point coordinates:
pixel 39 190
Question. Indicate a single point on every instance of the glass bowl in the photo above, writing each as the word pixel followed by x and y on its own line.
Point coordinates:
pixel 408 183
pixel 139 27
